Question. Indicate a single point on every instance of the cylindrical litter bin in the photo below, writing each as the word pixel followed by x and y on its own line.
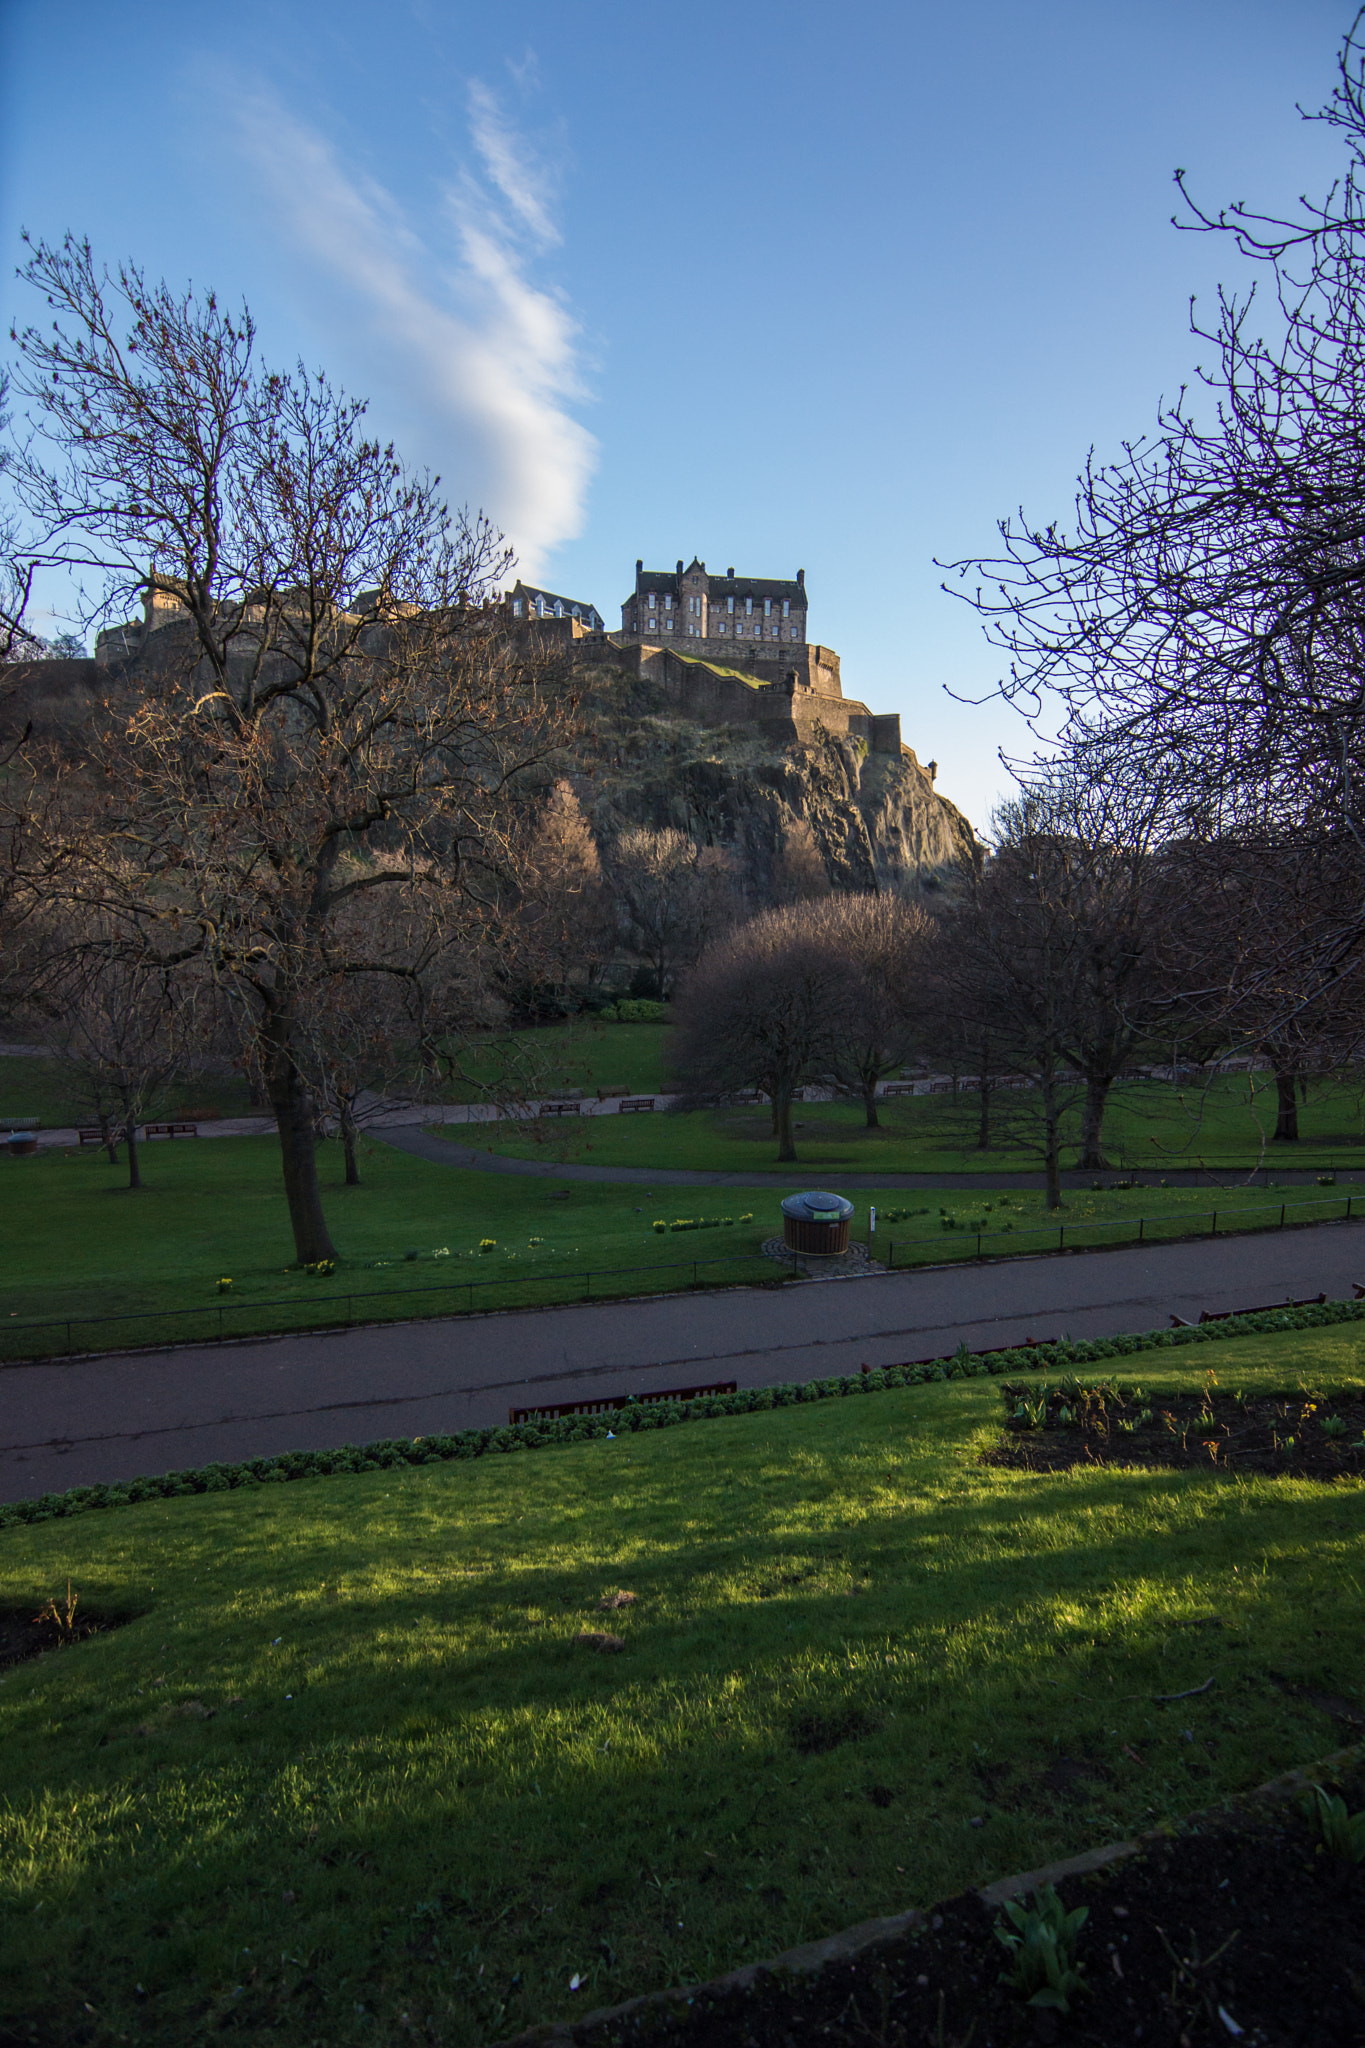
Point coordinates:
pixel 21 1143
pixel 816 1223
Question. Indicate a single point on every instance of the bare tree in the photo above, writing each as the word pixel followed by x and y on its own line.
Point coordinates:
pixel 122 1028
pixel 566 925
pixel 880 947
pixel 17 643
pixel 760 1010
pixel 1204 607
pixel 673 894
pixel 328 711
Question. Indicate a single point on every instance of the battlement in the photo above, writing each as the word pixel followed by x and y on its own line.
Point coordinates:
pixel 787 698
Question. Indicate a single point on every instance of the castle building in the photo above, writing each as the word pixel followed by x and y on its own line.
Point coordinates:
pixel 729 616
pixel 528 603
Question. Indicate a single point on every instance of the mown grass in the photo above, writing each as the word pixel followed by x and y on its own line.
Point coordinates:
pixel 585 1053
pixel 855 1656
pixel 1150 1127
pixel 75 1244
pixel 50 1091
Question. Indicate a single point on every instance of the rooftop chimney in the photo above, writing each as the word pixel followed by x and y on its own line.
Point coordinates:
pixel 801 578
pixel 731 573
pixel 680 565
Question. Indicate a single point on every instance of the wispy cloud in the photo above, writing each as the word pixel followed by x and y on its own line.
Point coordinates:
pixel 483 358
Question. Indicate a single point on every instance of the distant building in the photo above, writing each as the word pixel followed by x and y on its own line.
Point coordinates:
pixel 528 603
pixel 729 616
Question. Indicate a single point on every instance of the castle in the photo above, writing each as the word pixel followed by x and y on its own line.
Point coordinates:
pixel 723 650
pixel 716 611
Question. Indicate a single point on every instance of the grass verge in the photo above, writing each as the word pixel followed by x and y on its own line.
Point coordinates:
pixel 1150 1127
pixel 862 1671
pixel 94 1264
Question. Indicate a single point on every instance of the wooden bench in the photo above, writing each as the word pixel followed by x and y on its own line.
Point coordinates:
pixel 91 1136
pixel 630 1104
pixel 170 1131
pixel 899 1088
pixel 560 1108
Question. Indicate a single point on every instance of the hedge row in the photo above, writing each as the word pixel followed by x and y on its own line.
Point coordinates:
pixel 534 1436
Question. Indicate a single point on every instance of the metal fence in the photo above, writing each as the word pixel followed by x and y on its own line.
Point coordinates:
pixel 1139 1229
pixel 323 1309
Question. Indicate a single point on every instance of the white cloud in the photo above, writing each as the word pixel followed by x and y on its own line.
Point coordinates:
pixel 482 360
pixel 522 183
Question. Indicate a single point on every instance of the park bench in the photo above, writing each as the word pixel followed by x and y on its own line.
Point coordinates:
pixel 90 1135
pixel 170 1131
pixel 899 1088
pixel 631 1103
pixel 611 1094
pixel 560 1108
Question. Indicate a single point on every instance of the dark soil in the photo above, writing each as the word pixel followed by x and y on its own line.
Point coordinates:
pixel 1238 1928
pixel 46 1625
pixel 1291 1436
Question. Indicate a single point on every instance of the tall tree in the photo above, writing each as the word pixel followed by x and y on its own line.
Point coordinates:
pixel 673 897
pixel 761 1009
pixel 322 707
pixel 880 946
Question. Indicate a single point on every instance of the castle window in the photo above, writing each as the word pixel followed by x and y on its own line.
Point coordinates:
pixel 653 625
pixel 767 607
pixel 516 607
pixel 786 607
pixel 730 606
pixel 748 606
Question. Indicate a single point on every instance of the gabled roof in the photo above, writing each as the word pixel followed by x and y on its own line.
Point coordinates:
pixel 571 605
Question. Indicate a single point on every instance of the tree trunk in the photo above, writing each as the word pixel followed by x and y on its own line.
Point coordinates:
pixel 348 1138
pixel 1287 1117
pixel 1052 1145
pixel 293 1107
pixel 1092 1120
pixel 786 1136
pixel 870 1104
pixel 983 1121
pixel 108 1136
pixel 130 1133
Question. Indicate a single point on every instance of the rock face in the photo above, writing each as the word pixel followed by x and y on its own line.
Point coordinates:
pixel 789 812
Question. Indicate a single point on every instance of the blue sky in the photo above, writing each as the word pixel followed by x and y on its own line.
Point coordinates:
pixel 817 286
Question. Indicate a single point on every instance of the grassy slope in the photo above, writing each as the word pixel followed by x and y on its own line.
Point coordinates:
pixel 45 1088
pixel 74 1242
pixel 1149 1127
pixel 423 1800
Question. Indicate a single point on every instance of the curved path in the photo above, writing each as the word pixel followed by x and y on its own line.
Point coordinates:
pixel 424 1144
pixel 115 1417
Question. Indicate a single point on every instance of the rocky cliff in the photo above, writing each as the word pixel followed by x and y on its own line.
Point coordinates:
pixel 869 820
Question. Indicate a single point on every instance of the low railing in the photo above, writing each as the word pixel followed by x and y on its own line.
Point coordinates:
pixel 1140 1230
pixel 223 1320
pixel 220 1321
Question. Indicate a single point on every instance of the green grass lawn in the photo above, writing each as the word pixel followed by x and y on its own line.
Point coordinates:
pixel 586 1053
pixel 1150 1127
pixel 855 1657
pixel 45 1088
pixel 75 1243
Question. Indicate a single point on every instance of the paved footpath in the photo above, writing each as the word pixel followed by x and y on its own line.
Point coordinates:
pixel 112 1418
